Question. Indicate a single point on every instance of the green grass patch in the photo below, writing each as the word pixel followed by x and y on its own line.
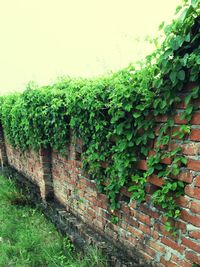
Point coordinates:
pixel 28 239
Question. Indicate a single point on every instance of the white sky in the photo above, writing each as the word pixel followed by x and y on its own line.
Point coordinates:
pixel 43 39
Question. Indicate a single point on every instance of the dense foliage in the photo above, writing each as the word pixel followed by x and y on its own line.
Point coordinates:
pixel 115 116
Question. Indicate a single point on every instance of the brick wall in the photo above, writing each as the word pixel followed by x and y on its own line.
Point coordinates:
pixel 36 166
pixel 140 227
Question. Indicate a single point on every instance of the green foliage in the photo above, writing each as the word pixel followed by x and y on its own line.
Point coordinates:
pixel 115 116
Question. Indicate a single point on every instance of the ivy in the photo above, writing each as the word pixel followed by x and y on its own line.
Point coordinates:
pixel 115 116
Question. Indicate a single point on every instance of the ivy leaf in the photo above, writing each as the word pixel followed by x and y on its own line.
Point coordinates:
pixel 128 107
pixel 172 76
pixel 181 75
pixel 136 115
pixel 184 160
pixel 129 136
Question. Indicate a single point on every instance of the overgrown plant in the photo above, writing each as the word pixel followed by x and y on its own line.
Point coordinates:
pixel 115 116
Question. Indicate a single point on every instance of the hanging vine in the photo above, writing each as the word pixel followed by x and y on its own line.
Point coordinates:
pixel 115 116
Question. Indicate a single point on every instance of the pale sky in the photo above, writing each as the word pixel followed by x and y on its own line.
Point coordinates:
pixel 44 39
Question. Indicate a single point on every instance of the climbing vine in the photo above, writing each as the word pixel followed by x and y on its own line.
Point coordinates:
pixel 115 116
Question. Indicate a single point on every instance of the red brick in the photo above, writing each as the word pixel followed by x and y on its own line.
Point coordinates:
pixel 197 181
pixel 172 244
pixel 195 135
pixel 194 234
pixel 195 207
pixel 124 191
pixel 185 177
pixel 178 120
pixel 150 251
pixel 142 165
pixel 87 183
pixel 102 197
pixel 193 164
pixel 190 244
pixel 189 149
pixel 181 225
pixel 145 229
pixel 136 232
pixel 195 119
pixel 147 257
pixel 145 209
pixel 161 230
pixel 161 118
pixel 158 247
pixel 91 212
pixel 153 179
pixel 155 235
pixel 192 192
pixel 131 221
pixel 168 263
pixel 125 209
pixel 181 105
pixel 166 161
pixel 195 220
pixel 182 263
pixel 142 217
pixel 193 257
pixel 182 201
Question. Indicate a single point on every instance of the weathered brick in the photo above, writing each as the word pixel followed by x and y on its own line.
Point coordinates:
pixel 142 217
pixel 178 120
pixel 193 192
pixel 195 220
pixel 195 119
pixel 190 244
pixel 145 229
pixel 195 207
pixel 168 263
pixel 142 165
pixel 172 244
pixel 185 176
pixel 195 135
pixel 157 246
pixel 180 262
pixel 193 257
pixel 183 201
pixel 193 164
pixel 161 118
pixel 153 179
pixel 194 234
pixel 197 181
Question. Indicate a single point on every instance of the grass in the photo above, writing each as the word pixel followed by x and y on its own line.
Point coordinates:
pixel 28 239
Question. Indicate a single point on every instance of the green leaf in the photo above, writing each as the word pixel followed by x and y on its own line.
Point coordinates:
pixel 181 75
pixel 172 76
pixel 129 136
pixel 136 115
